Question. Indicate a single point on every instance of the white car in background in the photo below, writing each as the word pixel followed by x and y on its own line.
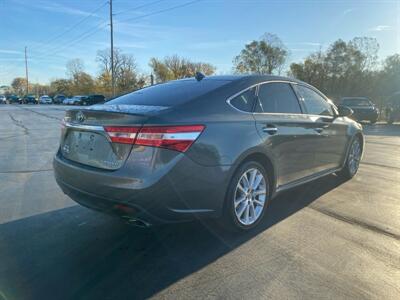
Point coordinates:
pixel 45 100
pixel 67 101
pixel 3 99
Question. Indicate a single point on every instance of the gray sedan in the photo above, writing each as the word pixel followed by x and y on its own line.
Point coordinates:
pixel 216 147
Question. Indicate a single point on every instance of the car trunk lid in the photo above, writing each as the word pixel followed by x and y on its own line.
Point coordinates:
pixel 85 139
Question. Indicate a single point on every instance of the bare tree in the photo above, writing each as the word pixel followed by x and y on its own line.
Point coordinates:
pixel 125 71
pixel 74 67
pixel 369 48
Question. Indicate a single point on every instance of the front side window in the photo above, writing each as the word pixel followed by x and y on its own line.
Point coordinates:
pixel 315 103
pixel 277 97
pixel 245 100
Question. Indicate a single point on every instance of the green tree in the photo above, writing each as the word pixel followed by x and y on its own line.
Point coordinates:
pixel 175 67
pixel 344 69
pixel 19 86
pixel 61 86
pixel 265 56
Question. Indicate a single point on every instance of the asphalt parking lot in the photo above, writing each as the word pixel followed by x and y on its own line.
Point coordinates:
pixel 327 239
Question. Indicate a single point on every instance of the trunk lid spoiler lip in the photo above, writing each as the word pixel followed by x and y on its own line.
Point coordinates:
pixel 125 108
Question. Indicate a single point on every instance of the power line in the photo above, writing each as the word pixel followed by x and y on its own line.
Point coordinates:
pixel 75 40
pixel 137 7
pixel 49 48
pixel 26 72
pixel 76 24
pixel 161 11
pixel 112 50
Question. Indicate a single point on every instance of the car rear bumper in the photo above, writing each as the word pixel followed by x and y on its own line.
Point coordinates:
pixel 368 115
pixel 172 189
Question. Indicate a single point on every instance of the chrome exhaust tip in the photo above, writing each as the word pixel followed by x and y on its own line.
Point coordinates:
pixel 137 223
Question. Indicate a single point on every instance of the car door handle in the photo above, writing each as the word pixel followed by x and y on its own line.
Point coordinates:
pixel 319 129
pixel 270 129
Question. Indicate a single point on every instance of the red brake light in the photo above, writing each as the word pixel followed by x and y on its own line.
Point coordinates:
pixel 178 138
pixel 122 134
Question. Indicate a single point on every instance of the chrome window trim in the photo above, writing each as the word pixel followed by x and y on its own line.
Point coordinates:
pixel 257 86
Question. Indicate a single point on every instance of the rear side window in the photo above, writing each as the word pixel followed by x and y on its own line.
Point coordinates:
pixel 356 102
pixel 245 100
pixel 277 97
pixel 171 93
pixel 315 103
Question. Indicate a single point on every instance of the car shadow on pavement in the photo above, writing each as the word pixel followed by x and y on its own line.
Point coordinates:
pixel 382 129
pixel 75 253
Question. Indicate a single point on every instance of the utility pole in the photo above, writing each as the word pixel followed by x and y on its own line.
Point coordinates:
pixel 26 72
pixel 112 50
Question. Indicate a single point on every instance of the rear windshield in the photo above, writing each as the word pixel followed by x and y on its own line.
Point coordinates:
pixel 356 102
pixel 171 93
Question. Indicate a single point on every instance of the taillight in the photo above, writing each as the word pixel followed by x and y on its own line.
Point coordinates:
pixel 178 138
pixel 122 134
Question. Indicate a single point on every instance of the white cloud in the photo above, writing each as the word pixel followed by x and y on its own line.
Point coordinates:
pixel 381 28
pixel 7 51
pixel 60 8
pixel 347 11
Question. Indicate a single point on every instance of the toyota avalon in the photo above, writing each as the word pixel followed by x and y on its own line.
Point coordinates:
pixel 216 147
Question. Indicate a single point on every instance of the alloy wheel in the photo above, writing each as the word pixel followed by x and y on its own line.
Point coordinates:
pixel 354 156
pixel 250 196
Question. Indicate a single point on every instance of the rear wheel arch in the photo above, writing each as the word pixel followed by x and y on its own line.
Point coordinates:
pixel 361 138
pixel 266 162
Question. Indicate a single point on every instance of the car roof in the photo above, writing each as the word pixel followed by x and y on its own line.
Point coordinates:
pixel 355 98
pixel 250 78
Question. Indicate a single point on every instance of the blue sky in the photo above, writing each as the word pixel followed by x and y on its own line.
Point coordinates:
pixel 209 30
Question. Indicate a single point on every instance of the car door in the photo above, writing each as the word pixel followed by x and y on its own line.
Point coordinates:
pixel 332 138
pixel 287 132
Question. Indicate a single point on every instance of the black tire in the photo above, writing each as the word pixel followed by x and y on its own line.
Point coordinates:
pixel 373 121
pixel 84 103
pixel 229 219
pixel 346 173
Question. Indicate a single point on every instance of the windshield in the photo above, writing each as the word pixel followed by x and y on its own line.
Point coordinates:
pixel 170 93
pixel 356 102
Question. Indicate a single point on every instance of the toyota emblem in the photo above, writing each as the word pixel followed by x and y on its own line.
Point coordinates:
pixel 80 117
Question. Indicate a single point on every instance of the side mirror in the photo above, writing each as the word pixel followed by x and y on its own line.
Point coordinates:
pixel 344 111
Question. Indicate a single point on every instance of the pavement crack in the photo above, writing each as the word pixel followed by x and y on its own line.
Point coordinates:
pixel 19 123
pixel 25 171
pixel 41 114
pixel 356 222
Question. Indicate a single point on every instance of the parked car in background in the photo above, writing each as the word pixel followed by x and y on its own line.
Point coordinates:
pixel 29 99
pixel 78 100
pixel 393 108
pixel 3 99
pixel 59 98
pixel 12 99
pixel 363 108
pixel 170 152
pixel 45 99
pixel 67 101
pixel 93 99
